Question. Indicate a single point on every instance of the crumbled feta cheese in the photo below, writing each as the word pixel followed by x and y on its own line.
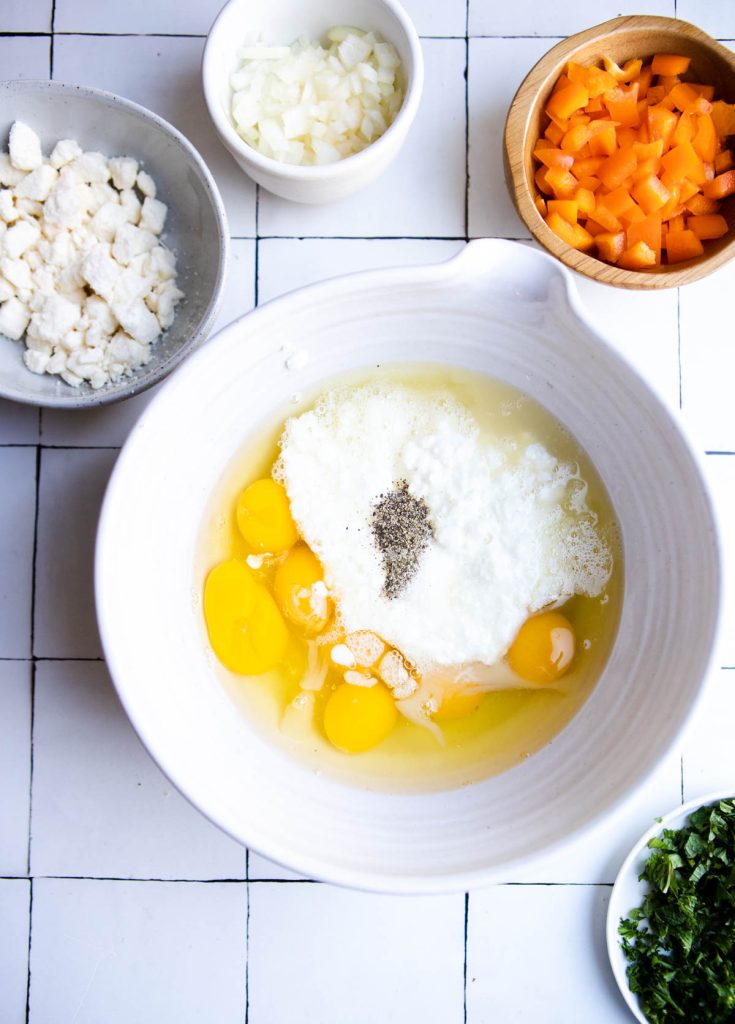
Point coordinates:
pixel 91 167
pixel 64 152
pixel 131 241
pixel 14 317
pixel 146 184
pixel 153 215
pixel 9 175
pixel 25 147
pixel 82 272
pixel 124 171
pixel 20 237
pixel 38 184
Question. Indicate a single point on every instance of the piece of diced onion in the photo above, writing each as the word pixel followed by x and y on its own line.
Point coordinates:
pixel 310 105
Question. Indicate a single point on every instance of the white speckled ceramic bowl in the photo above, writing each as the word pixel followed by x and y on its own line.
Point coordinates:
pixel 500 308
pixel 196 226
pixel 283 21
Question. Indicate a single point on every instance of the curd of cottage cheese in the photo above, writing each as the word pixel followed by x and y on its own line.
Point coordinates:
pixel 508 529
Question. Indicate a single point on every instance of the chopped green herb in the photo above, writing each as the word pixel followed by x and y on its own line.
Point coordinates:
pixel 680 942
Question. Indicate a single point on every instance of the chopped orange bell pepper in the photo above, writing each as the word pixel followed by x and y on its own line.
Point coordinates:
pixel 682 245
pixel 670 64
pixel 708 225
pixel 622 104
pixel 566 101
pixel 721 186
pixel 651 194
pixel 566 208
pixel 638 257
pixel 610 245
pixel 634 160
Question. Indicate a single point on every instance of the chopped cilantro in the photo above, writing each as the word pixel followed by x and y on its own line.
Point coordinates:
pixel 680 942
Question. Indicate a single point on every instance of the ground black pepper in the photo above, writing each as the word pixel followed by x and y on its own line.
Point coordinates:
pixel 401 527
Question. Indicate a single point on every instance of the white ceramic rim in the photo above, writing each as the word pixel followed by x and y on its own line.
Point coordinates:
pixel 131 386
pixel 259 841
pixel 676 819
pixel 320 172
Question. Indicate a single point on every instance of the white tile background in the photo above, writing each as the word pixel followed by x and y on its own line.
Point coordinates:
pixel 119 902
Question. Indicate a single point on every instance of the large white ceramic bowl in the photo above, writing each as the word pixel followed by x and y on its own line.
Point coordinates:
pixel 500 308
pixel 196 225
pixel 283 21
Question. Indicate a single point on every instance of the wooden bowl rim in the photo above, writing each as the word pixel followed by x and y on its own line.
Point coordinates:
pixel 516 126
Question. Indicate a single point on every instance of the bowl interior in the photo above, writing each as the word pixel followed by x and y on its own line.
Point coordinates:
pixel 282 22
pixel 499 308
pixel 623 39
pixel 194 226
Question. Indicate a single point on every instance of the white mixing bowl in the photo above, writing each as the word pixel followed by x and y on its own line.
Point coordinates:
pixel 498 307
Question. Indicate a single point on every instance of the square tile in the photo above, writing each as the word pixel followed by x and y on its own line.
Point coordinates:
pixel 717 17
pixel 709 754
pixel 422 193
pixel 288 263
pixel 72 486
pixel 720 474
pixel 15 897
pixel 137 951
pixel 438 17
pixel 24 57
pixel 17 524
pixel 708 359
pixel 538 954
pixel 101 807
pixel 18 423
pixel 165 16
pixel 496 69
pixel 526 18
pixel 358 957
pixel 164 75
pixel 642 326
pixel 111 424
pixel 15 766
pixel 26 16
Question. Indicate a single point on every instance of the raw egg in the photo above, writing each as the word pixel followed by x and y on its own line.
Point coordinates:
pixel 543 648
pixel 245 627
pixel 264 517
pixel 357 718
pixel 457 702
pixel 299 588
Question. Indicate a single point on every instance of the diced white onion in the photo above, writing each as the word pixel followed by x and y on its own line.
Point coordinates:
pixel 305 104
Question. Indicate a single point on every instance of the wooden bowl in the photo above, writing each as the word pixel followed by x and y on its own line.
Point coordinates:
pixel 621 39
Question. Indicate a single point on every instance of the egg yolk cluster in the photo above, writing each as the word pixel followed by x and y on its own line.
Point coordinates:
pixel 252 618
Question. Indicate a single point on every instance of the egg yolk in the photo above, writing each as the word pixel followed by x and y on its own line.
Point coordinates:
pixel 299 589
pixel 458 702
pixel 357 718
pixel 245 627
pixel 264 517
pixel 543 649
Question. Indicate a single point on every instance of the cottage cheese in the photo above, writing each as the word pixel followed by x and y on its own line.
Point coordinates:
pixel 511 530
pixel 84 276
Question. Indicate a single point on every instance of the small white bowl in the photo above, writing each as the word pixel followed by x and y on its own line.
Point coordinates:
pixel 499 308
pixel 283 21
pixel 628 891
pixel 196 226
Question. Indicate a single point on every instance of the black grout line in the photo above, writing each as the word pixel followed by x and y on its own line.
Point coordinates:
pixel 34 559
pixel 51 45
pixel 63 447
pixel 30 935
pixel 247 948
pixel 36 659
pixel 360 238
pixel 464 971
pixel 681 769
pixel 719 453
